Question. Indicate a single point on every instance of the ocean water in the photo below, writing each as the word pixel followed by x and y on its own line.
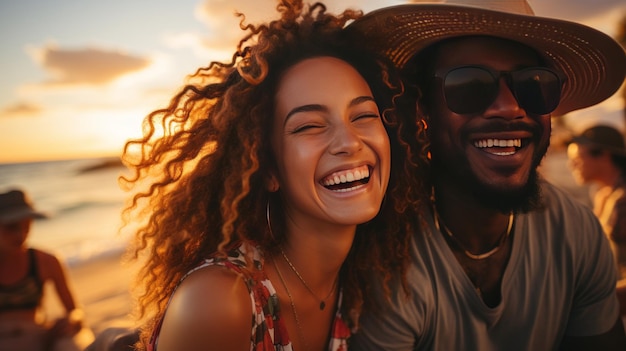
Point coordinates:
pixel 83 201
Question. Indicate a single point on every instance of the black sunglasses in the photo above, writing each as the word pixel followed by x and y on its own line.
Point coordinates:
pixel 472 89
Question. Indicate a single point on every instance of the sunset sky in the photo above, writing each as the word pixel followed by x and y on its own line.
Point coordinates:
pixel 78 76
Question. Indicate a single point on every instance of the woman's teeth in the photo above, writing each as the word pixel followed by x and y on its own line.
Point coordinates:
pixel 347 176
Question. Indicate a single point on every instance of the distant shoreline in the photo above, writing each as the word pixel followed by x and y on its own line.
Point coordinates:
pixel 80 158
pixel 104 164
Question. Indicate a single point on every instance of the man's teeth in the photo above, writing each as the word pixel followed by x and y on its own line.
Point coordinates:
pixel 498 143
pixel 347 176
pixel 504 153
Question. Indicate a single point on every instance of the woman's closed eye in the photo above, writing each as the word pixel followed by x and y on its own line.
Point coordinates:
pixel 308 127
pixel 315 127
pixel 365 116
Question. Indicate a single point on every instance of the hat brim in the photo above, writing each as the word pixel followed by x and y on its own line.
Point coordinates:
pixel 14 216
pixel 593 62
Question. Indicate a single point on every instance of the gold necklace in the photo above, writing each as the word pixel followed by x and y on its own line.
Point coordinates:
pixel 467 253
pixel 293 306
pixel 322 301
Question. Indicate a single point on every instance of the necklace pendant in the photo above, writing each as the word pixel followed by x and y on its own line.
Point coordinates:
pixel 322 305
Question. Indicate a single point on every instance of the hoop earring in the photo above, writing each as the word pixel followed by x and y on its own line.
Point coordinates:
pixel 267 216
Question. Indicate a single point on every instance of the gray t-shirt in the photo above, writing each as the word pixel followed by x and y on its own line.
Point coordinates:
pixel 560 280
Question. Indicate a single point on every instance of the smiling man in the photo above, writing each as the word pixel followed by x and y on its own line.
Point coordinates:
pixel 509 262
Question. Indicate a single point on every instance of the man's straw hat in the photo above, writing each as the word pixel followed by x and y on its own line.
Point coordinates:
pixel 593 62
pixel 15 206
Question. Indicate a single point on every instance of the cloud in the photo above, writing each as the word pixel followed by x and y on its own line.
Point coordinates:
pixel 223 34
pixel 222 31
pixel 86 65
pixel 20 109
pixel 223 24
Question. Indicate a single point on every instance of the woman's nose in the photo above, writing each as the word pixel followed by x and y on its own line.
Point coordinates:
pixel 346 140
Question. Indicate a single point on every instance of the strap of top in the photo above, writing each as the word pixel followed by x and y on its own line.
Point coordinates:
pixel 33 270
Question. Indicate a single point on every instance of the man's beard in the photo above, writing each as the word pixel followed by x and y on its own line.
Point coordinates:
pixel 520 200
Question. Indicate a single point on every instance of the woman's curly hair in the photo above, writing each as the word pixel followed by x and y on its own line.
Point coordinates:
pixel 200 171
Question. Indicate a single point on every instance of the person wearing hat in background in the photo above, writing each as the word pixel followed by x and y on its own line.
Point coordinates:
pixel 508 261
pixel 23 273
pixel 597 156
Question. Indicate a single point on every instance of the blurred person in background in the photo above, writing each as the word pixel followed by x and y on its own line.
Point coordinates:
pixel 597 157
pixel 24 271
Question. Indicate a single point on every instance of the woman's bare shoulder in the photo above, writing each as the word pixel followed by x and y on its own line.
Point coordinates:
pixel 212 306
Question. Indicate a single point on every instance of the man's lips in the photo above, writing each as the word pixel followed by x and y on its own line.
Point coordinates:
pixel 500 147
pixel 503 143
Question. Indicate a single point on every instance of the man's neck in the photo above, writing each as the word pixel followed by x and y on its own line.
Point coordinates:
pixel 479 238
pixel 476 226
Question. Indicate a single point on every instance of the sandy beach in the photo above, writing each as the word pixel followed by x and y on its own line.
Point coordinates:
pixel 102 288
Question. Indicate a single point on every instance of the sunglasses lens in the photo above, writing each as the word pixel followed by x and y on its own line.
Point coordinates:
pixel 469 89
pixel 537 90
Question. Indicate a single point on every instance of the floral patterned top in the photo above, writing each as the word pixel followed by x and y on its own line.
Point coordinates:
pixel 268 331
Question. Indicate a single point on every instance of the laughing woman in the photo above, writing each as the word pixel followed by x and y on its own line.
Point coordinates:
pixel 275 190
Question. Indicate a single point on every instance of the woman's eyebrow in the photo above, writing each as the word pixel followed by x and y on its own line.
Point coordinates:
pixel 317 107
pixel 361 99
pixel 305 108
